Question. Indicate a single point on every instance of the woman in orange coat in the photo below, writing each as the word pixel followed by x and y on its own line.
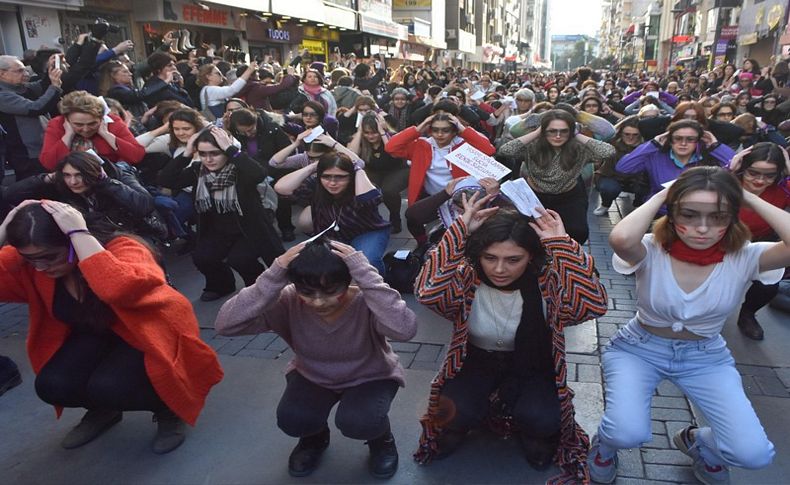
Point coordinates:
pixel 107 332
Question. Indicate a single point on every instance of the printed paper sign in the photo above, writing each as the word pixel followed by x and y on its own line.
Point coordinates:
pixel 667 185
pixel 331 226
pixel 523 197
pixel 317 131
pixel 476 163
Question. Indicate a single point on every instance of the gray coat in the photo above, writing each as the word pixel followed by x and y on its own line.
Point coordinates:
pixel 20 108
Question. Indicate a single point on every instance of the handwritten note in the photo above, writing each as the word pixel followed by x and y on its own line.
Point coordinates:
pixel 523 197
pixel 476 163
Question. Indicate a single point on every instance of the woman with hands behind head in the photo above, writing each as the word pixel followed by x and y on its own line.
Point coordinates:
pixel 107 333
pixel 509 284
pixel 339 333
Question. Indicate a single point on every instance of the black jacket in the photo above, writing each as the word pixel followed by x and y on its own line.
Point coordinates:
pixel 181 173
pixel 130 98
pixel 156 90
pixel 271 138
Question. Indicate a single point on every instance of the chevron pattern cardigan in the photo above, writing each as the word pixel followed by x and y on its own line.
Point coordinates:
pixel 573 294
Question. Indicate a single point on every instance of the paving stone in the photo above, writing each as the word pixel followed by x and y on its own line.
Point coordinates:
pixel 286 354
pixel 754 370
pixel 232 347
pixel 615 320
pixel 673 427
pixel 658 427
pixel 750 386
pixel 262 341
pixel 771 386
pixel 405 346
pixel 665 457
pixel 670 402
pixel 630 464
pixel 672 473
pixel 663 414
pixel 406 358
pixel 571 376
pixel 278 345
pixel 582 359
pixel 428 353
pixel 423 365
pixel 784 375
pixel 666 388
pixel 629 305
pixel 659 441
pixel 588 373
pixel 257 353
pixel 607 329
pixel 207 334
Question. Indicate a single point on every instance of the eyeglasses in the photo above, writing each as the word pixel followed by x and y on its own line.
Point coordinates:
pixel 43 260
pixel 309 114
pixel 15 71
pixel 757 175
pixel 441 130
pixel 590 106
pixel 693 218
pixel 558 133
pixel 682 140
pixel 334 178
pixel 211 154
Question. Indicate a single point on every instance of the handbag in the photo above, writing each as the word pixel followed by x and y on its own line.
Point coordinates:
pixel 211 113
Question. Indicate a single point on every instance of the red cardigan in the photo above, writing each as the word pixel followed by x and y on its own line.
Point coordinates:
pixel 408 145
pixel 54 150
pixel 152 317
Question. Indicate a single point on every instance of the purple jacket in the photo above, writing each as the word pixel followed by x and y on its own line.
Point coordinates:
pixel 649 158
pixel 662 95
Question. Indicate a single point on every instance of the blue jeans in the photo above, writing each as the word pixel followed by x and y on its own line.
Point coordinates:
pixel 373 244
pixel 636 361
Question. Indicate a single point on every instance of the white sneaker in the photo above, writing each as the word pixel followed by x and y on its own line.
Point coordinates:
pixel 600 210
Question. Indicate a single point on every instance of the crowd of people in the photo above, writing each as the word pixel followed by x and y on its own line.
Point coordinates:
pixel 115 160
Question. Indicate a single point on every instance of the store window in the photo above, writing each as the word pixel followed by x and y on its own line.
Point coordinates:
pixel 75 23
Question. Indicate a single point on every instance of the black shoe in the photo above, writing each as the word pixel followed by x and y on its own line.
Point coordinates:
pixel 749 326
pixel 169 432
pixel 9 375
pixel 288 235
pixel 307 453
pixel 209 295
pixel 448 442
pixel 396 226
pixel 383 461
pixel 93 424
pixel 539 452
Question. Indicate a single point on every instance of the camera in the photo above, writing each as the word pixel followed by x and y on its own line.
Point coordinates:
pixel 101 27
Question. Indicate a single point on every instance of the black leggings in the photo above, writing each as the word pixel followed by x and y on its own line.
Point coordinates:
pixel 212 251
pixel 536 411
pixel 97 372
pixel 759 295
pixel 361 415
pixel 572 208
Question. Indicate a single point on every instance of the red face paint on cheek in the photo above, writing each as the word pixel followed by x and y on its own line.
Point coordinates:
pixel 681 229
pixel 720 232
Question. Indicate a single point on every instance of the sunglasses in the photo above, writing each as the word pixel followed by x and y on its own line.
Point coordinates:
pixel 757 175
pixel 309 114
pixel 696 219
pixel 684 139
pixel 558 133
pixel 334 178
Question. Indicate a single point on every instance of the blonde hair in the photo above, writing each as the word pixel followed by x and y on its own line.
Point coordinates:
pixel 81 102
pixel 203 73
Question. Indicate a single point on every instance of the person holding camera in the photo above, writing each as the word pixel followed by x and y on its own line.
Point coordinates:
pixel 161 85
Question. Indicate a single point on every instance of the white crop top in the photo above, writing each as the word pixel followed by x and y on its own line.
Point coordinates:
pixel 494 318
pixel 662 303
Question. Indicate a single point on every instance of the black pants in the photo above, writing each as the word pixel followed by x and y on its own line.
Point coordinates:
pixel 391 183
pixel 536 410
pixel 97 372
pixel 284 204
pixel 25 167
pixel 211 252
pixel 572 208
pixel 759 295
pixel 361 415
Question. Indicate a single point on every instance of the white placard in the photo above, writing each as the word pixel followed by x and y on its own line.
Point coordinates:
pixel 401 254
pixel 331 226
pixel 478 95
pixel 523 197
pixel 667 185
pixel 476 163
pixel 317 131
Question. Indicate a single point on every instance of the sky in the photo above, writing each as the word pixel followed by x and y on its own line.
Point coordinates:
pixel 575 16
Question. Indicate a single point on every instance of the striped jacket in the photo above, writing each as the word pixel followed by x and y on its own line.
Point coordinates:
pixel 572 294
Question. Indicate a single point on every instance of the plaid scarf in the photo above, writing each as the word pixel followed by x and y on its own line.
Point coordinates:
pixel 219 188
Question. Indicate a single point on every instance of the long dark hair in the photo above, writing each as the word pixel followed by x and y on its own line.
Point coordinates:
pixel 187 115
pixel 694 125
pixel 506 225
pixel 369 123
pixel 32 225
pixel 334 160
pixel 569 152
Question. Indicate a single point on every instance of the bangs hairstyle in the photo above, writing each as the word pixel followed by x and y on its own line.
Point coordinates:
pixel 679 125
pixel 569 151
pixel 87 165
pixel 729 194
pixel 187 115
pixel 765 152
pixel 506 224
pixel 335 160
pixel 318 268
pixel 81 102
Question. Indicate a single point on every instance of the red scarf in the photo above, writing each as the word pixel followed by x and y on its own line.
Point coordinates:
pixel 702 257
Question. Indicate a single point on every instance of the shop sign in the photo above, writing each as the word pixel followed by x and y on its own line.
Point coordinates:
pixel 729 32
pixel 748 39
pixel 682 39
pixel 411 4
pixel 317 47
pixel 184 12
pixel 373 25
pixel 212 16
pixel 319 33
pixel 276 34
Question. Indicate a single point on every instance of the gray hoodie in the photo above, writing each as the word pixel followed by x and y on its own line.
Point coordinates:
pixel 20 108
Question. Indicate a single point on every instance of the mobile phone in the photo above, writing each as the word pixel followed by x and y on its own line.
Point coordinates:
pixel 57 61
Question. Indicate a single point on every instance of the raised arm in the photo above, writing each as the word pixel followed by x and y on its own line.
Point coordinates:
pixel 626 237
pixel 290 182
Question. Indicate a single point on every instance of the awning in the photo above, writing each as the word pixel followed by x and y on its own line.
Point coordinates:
pixel 376 26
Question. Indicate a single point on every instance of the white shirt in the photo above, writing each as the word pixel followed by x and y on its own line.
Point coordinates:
pixel 494 318
pixel 662 303
pixel 438 175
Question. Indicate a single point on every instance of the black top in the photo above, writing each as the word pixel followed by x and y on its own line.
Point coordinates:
pixel 71 311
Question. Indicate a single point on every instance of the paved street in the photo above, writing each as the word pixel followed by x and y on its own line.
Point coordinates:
pixel 237 440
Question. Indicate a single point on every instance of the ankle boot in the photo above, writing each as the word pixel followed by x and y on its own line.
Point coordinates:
pixel 539 452
pixel 749 326
pixel 169 433
pixel 185 34
pixel 93 424
pixel 383 461
pixel 307 453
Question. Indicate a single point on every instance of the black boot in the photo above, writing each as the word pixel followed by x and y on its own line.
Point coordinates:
pixel 383 462
pixel 749 326
pixel 305 456
pixel 168 12
pixel 539 452
pixel 9 374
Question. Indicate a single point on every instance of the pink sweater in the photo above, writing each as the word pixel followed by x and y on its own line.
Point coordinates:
pixel 351 350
